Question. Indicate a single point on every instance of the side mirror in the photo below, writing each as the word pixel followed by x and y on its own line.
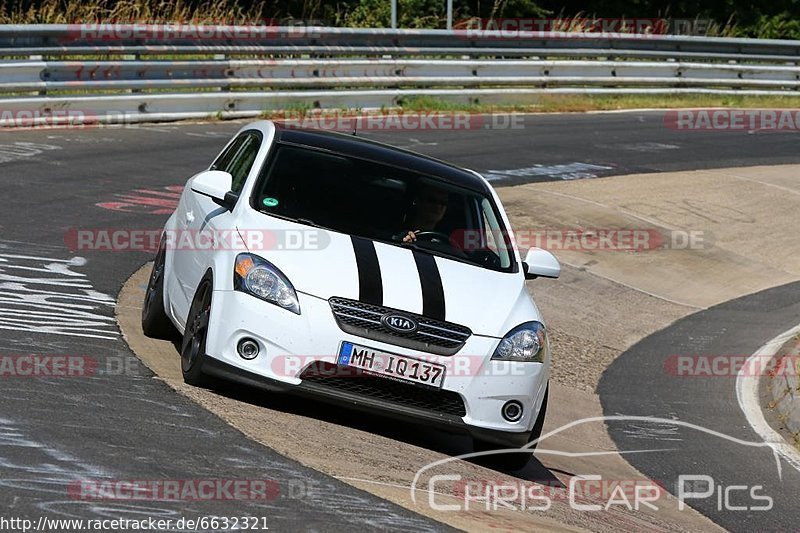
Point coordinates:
pixel 541 263
pixel 217 185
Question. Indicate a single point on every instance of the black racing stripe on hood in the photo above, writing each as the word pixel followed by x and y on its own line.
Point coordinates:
pixel 370 284
pixel 431 282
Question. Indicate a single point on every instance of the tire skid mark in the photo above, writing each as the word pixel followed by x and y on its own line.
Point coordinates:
pixel 44 294
pixel 21 150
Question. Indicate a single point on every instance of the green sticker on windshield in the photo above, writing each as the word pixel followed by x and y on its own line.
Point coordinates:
pixel 270 202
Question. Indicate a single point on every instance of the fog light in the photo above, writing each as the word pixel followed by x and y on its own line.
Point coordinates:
pixel 512 411
pixel 247 348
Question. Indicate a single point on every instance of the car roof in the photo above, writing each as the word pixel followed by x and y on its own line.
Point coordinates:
pixel 359 147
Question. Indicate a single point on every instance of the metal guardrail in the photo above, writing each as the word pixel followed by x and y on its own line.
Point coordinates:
pixel 86 35
pixel 111 75
pixel 145 72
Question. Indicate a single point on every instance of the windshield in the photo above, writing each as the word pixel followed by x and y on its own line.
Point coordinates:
pixel 383 203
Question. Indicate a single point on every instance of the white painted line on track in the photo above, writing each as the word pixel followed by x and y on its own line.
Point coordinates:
pixel 751 180
pixel 747 385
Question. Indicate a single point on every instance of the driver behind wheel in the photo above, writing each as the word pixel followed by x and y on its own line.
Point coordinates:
pixel 427 210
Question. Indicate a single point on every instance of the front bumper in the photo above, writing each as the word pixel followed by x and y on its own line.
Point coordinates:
pixel 291 343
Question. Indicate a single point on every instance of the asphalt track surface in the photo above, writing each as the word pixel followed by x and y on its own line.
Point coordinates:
pixel 643 382
pixel 124 425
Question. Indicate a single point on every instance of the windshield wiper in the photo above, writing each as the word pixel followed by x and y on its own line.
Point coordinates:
pixel 308 222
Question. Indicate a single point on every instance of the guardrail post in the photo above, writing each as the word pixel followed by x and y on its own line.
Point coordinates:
pixel 449 14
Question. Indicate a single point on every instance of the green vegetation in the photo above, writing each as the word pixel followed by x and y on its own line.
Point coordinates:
pixel 556 104
pixel 611 102
pixel 576 103
pixel 741 18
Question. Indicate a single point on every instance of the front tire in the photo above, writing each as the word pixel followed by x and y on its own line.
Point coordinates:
pixel 193 347
pixel 513 461
pixel 155 322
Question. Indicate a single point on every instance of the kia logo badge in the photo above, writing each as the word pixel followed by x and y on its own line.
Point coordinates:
pixel 399 323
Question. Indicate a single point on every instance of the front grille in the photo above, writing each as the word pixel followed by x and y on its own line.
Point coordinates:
pixel 405 395
pixel 364 320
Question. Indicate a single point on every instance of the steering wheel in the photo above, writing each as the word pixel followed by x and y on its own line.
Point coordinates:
pixel 433 236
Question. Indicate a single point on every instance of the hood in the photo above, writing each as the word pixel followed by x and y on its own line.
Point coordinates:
pixel 325 263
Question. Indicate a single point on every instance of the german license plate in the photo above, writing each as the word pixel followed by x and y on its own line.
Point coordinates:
pixel 391 365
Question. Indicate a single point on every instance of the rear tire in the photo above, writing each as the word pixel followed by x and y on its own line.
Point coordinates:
pixel 155 322
pixel 193 347
pixel 513 461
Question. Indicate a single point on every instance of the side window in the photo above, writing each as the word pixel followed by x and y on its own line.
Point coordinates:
pixel 224 159
pixel 238 158
pixel 495 240
pixel 241 164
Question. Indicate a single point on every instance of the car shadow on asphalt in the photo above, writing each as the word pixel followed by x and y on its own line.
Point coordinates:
pixel 451 444
pixel 415 434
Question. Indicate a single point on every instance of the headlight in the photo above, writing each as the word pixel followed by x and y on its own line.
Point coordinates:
pixel 526 342
pixel 262 279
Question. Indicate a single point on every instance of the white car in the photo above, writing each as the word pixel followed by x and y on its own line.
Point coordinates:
pixel 361 274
